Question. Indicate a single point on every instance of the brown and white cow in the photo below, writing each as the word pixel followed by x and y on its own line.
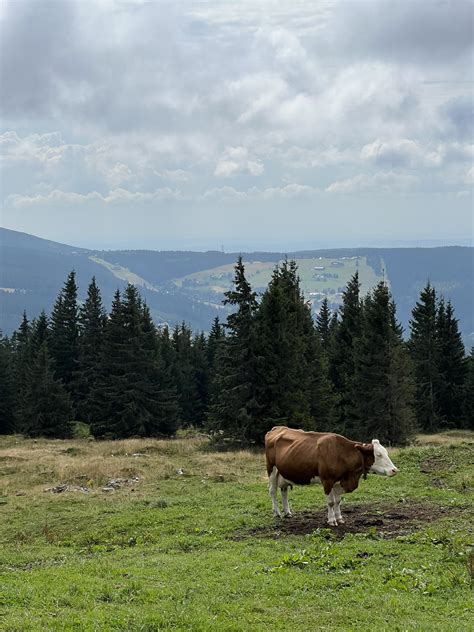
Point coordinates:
pixel 296 457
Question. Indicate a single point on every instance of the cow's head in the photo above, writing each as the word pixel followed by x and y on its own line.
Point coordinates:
pixel 382 462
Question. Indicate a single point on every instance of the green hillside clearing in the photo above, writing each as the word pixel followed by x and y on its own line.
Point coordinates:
pixel 320 276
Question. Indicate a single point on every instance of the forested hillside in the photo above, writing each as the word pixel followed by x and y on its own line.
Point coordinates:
pixel 189 285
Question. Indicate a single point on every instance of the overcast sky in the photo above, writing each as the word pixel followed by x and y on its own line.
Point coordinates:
pixel 278 125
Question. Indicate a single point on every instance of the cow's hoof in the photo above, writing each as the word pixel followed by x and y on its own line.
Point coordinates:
pixel 332 523
pixel 288 514
pixel 341 521
pixel 277 514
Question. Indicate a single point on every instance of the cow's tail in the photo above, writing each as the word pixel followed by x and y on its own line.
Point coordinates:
pixel 270 451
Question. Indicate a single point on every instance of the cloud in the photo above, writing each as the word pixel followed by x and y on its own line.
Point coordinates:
pixel 254 193
pixel 381 182
pixel 459 113
pixel 225 193
pixel 235 161
pixel 419 31
pixel 401 152
pixel 115 196
pixel 38 46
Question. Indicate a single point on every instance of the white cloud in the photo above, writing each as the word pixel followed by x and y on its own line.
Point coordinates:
pixel 381 182
pixel 115 196
pixel 225 193
pixel 254 193
pixel 401 152
pixel 236 161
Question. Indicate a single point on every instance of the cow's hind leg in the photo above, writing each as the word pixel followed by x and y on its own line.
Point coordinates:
pixel 328 490
pixel 272 488
pixel 284 485
pixel 331 516
pixel 337 492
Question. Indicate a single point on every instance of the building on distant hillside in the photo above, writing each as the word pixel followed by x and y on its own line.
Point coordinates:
pixel 318 267
pixel 337 264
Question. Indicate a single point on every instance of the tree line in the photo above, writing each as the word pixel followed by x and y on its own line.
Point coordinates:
pixel 350 371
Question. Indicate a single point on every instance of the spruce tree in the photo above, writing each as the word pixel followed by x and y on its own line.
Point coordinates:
pixel 383 374
pixel 292 384
pixel 424 351
pixel 23 358
pixel 234 407
pixel 105 401
pixel 7 388
pixel 323 324
pixel 215 337
pixel 468 394
pixel 200 357
pixel 48 410
pixel 63 345
pixel 452 366
pixel 91 325
pixel 127 414
pixel 185 374
pixel 127 400
pixel 159 392
pixel 168 399
pixel 342 361
pixel 40 332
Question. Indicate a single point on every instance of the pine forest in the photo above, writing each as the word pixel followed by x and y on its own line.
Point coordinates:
pixel 352 371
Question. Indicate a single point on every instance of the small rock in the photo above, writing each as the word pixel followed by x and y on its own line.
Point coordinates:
pixel 117 483
pixel 59 489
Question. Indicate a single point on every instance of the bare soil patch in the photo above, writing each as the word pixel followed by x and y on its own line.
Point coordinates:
pixel 435 464
pixel 389 521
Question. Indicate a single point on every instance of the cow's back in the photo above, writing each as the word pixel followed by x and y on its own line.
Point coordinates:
pixel 293 452
pixel 301 456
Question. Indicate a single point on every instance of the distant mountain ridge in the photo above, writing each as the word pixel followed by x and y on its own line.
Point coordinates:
pixel 32 271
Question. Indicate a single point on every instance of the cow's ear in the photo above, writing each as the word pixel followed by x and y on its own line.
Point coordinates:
pixel 365 447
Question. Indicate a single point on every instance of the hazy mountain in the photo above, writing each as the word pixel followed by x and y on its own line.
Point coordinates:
pixel 188 286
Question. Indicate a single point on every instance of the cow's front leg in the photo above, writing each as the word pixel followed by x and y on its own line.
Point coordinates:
pixel 272 488
pixel 284 499
pixel 337 492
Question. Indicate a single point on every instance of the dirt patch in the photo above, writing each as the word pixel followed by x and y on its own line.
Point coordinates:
pixel 435 464
pixel 389 521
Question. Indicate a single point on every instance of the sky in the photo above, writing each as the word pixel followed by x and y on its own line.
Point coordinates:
pixel 283 124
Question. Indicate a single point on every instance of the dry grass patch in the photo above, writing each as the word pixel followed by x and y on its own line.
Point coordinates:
pixel 35 465
pixel 451 437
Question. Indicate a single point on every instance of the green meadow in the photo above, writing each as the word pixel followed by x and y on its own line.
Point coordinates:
pixel 175 535
pixel 259 274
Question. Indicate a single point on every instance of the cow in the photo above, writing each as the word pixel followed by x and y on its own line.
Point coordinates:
pixel 296 457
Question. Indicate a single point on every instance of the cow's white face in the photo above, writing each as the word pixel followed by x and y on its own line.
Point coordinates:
pixel 382 464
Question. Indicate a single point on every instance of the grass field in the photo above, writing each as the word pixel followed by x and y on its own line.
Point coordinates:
pixel 259 274
pixel 185 540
